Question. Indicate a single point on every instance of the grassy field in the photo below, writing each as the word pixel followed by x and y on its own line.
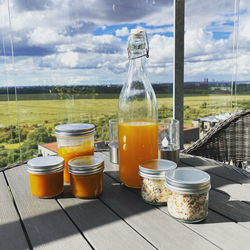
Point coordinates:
pixel 38 116
pixel 77 110
pixel 10 146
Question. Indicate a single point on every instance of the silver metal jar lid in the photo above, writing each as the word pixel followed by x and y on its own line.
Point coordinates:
pixel 74 129
pixel 45 165
pixel 188 180
pixel 85 165
pixel 156 168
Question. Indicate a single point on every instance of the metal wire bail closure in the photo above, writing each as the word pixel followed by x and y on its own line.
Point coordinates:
pixel 138 45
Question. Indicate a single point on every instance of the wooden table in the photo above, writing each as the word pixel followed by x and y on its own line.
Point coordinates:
pixel 119 218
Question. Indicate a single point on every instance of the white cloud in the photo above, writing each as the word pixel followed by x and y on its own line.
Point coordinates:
pixel 122 32
pixel 60 35
pixel 45 36
pixel 69 59
pixel 161 49
pixel 200 14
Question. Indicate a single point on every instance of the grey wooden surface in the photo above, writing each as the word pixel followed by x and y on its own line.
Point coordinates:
pixel 11 233
pixel 119 219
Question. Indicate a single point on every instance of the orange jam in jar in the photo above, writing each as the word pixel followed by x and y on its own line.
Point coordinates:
pixel 46 176
pixel 73 140
pixel 86 176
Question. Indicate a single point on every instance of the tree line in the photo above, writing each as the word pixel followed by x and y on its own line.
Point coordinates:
pixel 64 91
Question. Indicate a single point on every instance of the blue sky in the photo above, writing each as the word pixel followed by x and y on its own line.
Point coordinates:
pixel 84 42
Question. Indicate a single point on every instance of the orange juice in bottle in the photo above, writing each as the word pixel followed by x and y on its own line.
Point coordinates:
pixel 137 128
pixel 138 142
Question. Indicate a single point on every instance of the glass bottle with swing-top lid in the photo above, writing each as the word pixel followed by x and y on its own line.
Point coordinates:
pixel 137 128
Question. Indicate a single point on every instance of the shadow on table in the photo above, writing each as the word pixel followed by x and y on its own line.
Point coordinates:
pixel 227 210
pixel 117 203
pixel 89 216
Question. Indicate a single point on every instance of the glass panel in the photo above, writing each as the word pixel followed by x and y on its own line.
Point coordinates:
pixel 214 63
pixel 69 64
pixel 9 117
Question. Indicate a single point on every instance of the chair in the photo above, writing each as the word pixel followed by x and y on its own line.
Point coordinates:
pixel 228 141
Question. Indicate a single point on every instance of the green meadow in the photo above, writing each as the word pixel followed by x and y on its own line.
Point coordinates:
pixel 37 115
pixel 37 110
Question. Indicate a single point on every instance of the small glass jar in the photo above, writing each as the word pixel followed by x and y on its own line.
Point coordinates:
pixel 153 174
pixel 46 176
pixel 113 141
pixel 86 176
pixel 169 139
pixel 73 140
pixel 188 190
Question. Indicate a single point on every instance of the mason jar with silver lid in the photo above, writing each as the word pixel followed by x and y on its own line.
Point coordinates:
pixel 188 192
pixel 74 139
pixel 46 176
pixel 153 174
pixel 86 176
pixel 74 129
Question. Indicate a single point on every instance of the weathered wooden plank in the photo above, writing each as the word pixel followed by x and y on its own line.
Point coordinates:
pixel 109 166
pixel 11 233
pixel 216 168
pixel 102 227
pixel 221 231
pixel 149 221
pixel 46 223
pixel 222 178
pixel 226 202
pixel 237 211
pixel 220 202
pixel 235 190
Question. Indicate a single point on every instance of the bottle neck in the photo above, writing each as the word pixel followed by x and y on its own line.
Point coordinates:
pixel 137 100
pixel 136 68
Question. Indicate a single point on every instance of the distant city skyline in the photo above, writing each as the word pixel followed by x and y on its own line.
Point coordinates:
pixel 84 42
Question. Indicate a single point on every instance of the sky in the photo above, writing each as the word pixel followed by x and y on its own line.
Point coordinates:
pixel 85 42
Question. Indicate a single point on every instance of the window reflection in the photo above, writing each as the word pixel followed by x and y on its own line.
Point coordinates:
pixel 69 64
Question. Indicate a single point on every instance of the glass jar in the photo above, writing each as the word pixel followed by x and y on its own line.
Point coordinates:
pixel 169 139
pixel 153 175
pixel 74 140
pixel 137 128
pixel 86 176
pixel 46 176
pixel 113 141
pixel 188 190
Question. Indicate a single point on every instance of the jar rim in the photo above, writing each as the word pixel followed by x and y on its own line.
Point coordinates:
pixel 86 165
pixel 156 168
pixel 45 165
pixel 74 129
pixel 188 180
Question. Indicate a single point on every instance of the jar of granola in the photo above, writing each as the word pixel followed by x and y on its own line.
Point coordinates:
pixel 188 190
pixel 153 175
